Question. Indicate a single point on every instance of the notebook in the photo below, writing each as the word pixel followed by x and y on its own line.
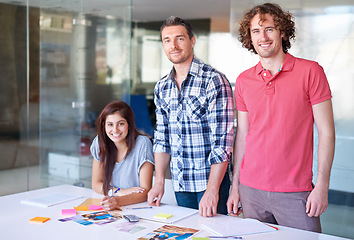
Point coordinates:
pixel 50 200
pixel 233 226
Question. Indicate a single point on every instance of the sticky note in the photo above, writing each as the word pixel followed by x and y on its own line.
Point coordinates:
pixel 83 208
pixel 163 215
pixel 95 207
pixel 39 219
pixel 68 212
pixel 200 238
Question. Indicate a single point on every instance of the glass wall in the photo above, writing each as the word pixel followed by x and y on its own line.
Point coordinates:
pixel 85 64
pixel 61 63
pixel 19 95
pixel 325 34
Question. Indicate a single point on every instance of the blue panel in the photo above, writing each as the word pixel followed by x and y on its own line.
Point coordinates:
pixel 141 112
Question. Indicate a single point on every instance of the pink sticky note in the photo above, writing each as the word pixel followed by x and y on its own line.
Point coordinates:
pixel 68 212
pixel 95 207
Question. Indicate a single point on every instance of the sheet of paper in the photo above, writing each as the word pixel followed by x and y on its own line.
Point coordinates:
pixel 233 226
pixel 170 232
pixel 50 200
pixel 90 201
pixel 136 229
pixel 144 211
pixel 99 218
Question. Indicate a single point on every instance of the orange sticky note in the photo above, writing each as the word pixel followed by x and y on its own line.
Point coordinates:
pixel 68 212
pixel 39 219
pixel 83 208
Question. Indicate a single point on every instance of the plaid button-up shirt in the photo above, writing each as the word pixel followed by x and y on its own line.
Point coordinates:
pixel 194 124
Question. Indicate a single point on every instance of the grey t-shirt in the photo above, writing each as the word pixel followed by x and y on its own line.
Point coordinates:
pixel 126 173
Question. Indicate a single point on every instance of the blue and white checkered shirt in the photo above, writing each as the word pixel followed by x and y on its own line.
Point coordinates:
pixel 194 125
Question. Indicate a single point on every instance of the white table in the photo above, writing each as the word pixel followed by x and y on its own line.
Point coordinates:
pixel 15 216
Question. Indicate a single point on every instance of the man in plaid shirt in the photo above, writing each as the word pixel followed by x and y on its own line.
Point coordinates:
pixel 194 126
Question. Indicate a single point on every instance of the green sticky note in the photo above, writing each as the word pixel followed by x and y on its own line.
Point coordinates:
pixel 163 215
pixel 200 238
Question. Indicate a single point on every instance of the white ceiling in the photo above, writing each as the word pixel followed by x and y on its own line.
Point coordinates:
pixel 151 10
pixel 159 10
pixel 142 10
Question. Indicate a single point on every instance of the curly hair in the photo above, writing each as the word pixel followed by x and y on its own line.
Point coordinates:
pixel 282 20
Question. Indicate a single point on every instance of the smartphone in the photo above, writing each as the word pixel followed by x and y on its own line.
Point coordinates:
pixel 131 218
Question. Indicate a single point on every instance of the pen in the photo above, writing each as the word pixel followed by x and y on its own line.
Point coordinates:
pixel 239 208
pixel 230 237
pixel 134 208
pixel 272 226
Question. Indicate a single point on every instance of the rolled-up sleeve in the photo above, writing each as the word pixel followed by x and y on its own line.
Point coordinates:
pixel 161 133
pixel 220 118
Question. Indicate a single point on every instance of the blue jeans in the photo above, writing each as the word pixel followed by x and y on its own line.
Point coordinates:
pixel 192 199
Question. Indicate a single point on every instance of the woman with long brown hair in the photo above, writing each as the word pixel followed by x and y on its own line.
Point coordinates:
pixel 123 160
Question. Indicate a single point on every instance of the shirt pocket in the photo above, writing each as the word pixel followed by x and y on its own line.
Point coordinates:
pixel 196 107
pixel 165 103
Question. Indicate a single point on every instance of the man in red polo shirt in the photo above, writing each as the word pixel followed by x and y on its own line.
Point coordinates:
pixel 278 100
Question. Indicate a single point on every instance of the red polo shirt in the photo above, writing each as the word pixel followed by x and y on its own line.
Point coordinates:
pixel 279 145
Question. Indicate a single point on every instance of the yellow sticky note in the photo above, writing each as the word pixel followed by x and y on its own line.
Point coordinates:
pixel 200 238
pixel 163 215
pixel 83 208
pixel 39 219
